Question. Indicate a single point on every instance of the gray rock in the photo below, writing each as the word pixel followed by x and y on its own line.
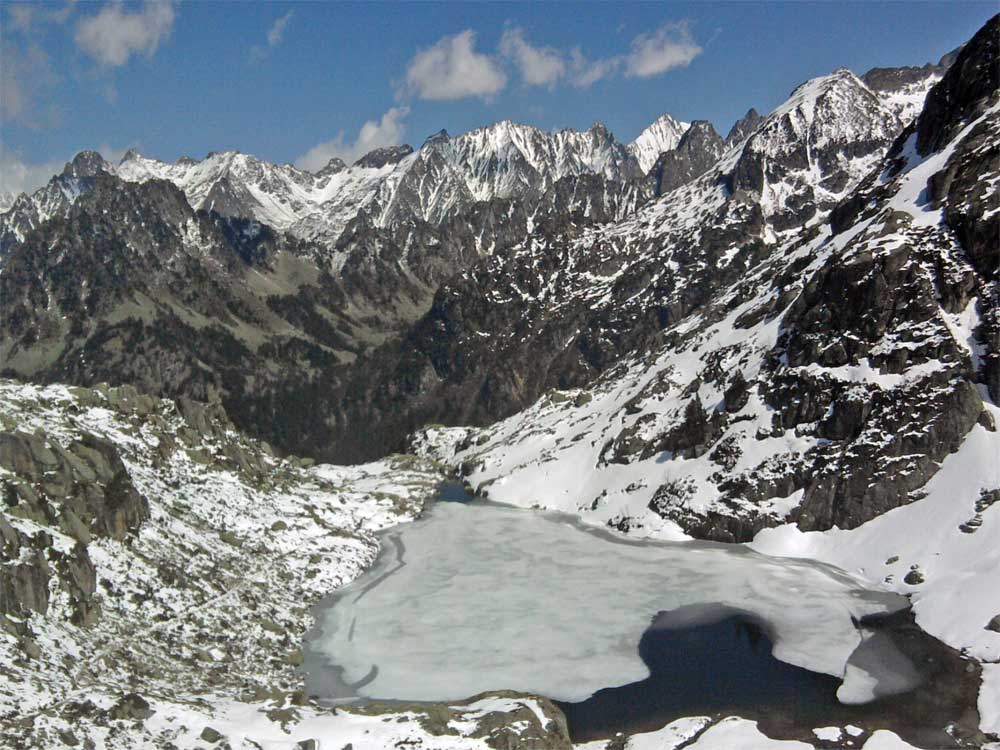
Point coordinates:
pixel 697 152
pixel 208 734
pixel 131 707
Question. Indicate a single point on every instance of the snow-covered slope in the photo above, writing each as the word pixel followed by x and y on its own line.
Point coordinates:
pixel 443 178
pixel 813 149
pixel 312 206
pixel 663 135
pixel 904 89
pixel 907 99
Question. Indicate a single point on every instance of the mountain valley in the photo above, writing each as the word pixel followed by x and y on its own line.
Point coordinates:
pixel 225 383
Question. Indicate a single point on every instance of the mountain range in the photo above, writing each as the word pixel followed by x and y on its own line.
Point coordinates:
pixel 786 337
pixel 294 276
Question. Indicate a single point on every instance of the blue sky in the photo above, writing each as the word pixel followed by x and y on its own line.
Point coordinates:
pixel 301 82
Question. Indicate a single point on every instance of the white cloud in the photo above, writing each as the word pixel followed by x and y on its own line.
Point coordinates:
pixel 588 72
pixel 114 35
pixel 18 177
pixel 26 77
pixel 452 69
pixel 277 31
pixel 275 36
pixel 653 53
pixel 538 66
pixel 388 131
pixel 670 46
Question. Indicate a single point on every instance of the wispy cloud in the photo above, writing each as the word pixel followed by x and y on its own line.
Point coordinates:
pixel 671 46
pixel 275 36
pixel 538 66
pixel 277 31
pixel 26 77
pixel 588 72
pixel 452 69
pixel 115 34
pixel 653 53
pixel 22 17
pixel 387 131
pixel 18 176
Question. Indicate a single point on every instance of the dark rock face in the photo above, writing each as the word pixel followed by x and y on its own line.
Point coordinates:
pixel 332 167
pixel 24 572
pixel 87 477
pixel 131 707
pixel 891 80
pixel 85 490
pixel 85 164
pixel 962 189
pixel 380 157
pixel 439 137
pixel 744 127
pixel 698 151
pixel 965 92
pixel 229 199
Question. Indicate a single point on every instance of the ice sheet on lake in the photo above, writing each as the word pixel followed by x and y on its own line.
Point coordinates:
pixel 481 597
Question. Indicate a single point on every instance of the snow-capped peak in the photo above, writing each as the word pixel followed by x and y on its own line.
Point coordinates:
pixel 663 135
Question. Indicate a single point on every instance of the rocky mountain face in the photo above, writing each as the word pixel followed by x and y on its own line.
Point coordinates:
pixel 743 128
pixel 29 212
pixel 821 376
pixel 697 151
pixel 904 89
pixel 558 310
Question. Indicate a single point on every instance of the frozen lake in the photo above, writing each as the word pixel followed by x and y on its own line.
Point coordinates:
pixel 477 597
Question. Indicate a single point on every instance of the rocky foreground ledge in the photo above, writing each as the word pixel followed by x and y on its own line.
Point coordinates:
pixel 156 574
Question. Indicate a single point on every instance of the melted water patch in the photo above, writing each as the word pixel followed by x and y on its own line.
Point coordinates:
pixel 717 661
